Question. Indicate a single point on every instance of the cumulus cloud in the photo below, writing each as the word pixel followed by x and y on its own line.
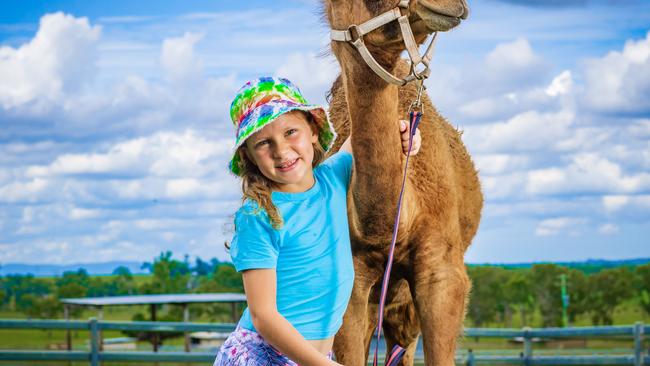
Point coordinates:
pixel 587 173
pixel 313 74
pixel 514 64
pixel 179 60
pixel 557 225
pixel 58 60
pixel 524 132
pixel 620 81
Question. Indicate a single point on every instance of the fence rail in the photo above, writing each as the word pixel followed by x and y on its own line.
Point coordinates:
pixel 95 356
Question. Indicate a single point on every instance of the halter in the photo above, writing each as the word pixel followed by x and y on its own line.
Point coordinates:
pixel 354 35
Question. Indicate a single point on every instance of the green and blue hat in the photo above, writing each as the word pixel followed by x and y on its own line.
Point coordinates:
pixel 259 102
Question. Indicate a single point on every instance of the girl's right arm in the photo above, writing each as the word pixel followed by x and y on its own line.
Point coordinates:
pixel 260 287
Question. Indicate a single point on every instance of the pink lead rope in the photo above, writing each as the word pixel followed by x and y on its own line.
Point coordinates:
pixel 398 351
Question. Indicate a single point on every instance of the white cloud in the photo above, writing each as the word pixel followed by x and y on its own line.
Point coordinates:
pixel 620 81
pixel 312 74
pixel 58 60
pixel 500 163
pixel 557 225
pixel 178 60
pixel 561 84
pixel 608 229
pixel 163 154
pixel 30 191
pixel 587 173
pixel 513 64
pixel 524 132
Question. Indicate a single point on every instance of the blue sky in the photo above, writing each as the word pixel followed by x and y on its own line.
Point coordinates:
pixel 115 133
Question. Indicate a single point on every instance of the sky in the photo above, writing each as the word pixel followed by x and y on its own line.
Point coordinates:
pixel 115 134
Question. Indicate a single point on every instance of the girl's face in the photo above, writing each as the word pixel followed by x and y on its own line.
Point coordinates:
pixel 283 151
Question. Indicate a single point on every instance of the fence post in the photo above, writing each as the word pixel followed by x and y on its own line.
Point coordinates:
pixel 470 357
pixel 94 342
pixel 528 346
pixel 638 344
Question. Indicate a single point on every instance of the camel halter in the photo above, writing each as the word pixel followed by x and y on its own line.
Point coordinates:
pixel 354 34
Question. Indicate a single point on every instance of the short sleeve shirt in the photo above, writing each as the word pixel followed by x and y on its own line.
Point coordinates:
pixel 310 252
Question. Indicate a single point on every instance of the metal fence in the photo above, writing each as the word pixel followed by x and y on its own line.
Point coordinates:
pixel 95 356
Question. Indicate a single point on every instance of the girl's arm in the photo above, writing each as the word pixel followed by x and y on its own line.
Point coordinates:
pixel 260 288
pixel 404 130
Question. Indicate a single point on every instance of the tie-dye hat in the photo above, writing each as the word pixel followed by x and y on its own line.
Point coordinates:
pixel 259 102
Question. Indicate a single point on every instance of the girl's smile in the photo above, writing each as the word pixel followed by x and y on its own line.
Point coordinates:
pixel 283 151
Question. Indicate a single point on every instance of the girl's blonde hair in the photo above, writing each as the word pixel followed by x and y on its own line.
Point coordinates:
pixel 258 187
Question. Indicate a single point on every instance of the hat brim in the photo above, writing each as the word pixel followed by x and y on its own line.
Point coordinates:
pixel 326 133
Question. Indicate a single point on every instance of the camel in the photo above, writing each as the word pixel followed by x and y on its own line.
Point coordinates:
pixel 442 205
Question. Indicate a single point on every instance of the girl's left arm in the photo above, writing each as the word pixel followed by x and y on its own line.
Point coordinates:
pixel 404 132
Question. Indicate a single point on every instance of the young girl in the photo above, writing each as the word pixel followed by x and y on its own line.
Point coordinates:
pixel 291 239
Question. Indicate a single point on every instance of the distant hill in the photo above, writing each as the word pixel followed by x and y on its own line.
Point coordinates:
pixel 105 268
pixel 588 266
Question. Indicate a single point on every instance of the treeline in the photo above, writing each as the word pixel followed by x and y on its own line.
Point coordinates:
pixel 39 297
pixel 499 295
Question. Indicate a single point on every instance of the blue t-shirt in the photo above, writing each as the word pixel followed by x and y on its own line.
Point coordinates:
pixel 310 252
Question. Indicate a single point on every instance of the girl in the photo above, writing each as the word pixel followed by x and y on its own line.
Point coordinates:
pixel 291 239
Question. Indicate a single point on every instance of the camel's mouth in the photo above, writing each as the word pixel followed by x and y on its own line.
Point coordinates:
pixel 438 19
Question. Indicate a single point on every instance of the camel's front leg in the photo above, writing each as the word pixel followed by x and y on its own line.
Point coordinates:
pixel 440 292
pixel 351 341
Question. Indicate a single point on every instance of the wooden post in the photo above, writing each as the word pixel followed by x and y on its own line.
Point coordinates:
pixel 94 342
pixel 638 344
pixel 470 357
pixel 68 336
pixel 528 346
pixel 186 319
pixel 100 317
pixel 233 308
pixel 155 334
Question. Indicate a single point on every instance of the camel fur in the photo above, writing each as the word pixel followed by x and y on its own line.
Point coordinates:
pixel 442 203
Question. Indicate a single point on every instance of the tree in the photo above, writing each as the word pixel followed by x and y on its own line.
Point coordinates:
pixel 486 292
pixel 169 275
pixel 642 284
pixel 545 280
pixel 17 286
pixel 519 294
pixel 608 289
pixel 124 282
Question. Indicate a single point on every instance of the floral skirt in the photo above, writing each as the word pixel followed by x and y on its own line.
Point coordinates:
pixel 247 348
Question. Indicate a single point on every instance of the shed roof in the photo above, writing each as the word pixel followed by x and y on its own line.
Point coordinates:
pixel 157 299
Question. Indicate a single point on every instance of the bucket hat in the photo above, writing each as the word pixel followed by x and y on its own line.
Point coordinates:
pixel 261 101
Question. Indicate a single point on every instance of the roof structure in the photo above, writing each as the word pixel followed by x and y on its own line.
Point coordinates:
pixel 157 299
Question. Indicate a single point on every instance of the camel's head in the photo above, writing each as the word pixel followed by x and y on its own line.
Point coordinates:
pixel 425 16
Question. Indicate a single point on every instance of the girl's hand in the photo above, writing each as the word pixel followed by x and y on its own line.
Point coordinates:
pixel 417 139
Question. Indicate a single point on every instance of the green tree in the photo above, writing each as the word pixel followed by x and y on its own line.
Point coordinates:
pixel 578 288
pixel 545 281
pixel 487 291
pixel 16 286
pixel 608 289
pixel 169 275
pixel 519 294
pixel 642 285
pixel 124 282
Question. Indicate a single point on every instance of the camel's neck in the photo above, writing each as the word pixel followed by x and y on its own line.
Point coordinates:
pixel 376 142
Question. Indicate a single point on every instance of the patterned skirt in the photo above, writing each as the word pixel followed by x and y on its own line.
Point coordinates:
pixel 247 348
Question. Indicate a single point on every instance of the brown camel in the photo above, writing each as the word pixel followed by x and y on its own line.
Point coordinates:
pixel 442 203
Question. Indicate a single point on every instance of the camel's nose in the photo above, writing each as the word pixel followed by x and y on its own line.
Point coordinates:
pixel 465 10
